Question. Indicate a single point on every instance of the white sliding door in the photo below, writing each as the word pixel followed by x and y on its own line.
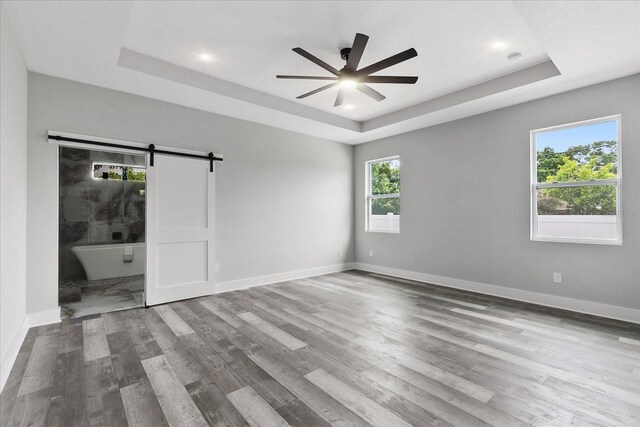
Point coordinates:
pixel 180 229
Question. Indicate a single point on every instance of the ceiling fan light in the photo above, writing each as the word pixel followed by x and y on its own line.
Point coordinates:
pixel 347 83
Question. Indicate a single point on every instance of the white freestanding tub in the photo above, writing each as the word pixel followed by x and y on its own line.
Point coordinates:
pixel 107 261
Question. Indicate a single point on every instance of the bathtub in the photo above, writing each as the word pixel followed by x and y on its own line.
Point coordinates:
pixel 107 261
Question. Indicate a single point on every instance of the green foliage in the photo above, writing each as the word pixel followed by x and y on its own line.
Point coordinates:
pixel 385 206
pixel 586 200
pixel 604 152
pixel 385 179
pixel 135 174
pixel 548 163
pixel 572 170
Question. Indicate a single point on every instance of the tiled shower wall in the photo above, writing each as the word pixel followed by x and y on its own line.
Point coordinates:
pixel 94 211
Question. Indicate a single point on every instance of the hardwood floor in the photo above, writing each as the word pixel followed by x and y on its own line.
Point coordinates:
pixel 345 349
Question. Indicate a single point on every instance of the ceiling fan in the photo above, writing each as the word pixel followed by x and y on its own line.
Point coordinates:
pixel 349 76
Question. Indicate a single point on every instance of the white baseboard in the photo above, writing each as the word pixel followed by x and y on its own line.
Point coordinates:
pixel 12 352
pixel 30 320
pixel 235 285
pixel 46 317
pixel 581 306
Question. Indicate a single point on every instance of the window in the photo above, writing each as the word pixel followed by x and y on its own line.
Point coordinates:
pixel 383 195
pixel 576 182
pixel 118 172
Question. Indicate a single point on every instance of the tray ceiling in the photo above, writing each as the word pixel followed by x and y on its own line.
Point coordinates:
pixel 152 49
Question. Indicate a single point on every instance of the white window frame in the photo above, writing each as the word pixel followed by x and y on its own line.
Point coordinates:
pixel 616 181
pixel 369 197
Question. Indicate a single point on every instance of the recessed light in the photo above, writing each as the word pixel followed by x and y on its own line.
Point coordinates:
pixel 499 45
pixel 348 83
pixel 514 56
pixel 205 57
pixel 348 106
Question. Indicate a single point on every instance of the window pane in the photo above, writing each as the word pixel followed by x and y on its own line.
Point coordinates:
pixel 118 172
pixel 581 153
pixel 587 200
pixel 385 177
pixel 136 174
pixel 587 212
pixel 385 206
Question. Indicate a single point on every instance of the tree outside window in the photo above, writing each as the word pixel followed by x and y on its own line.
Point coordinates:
pixel 383 196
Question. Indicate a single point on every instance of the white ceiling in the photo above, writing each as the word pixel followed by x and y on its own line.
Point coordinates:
pixel 252 43
pixel 151 48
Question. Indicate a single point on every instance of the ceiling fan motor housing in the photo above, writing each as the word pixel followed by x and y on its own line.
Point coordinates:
pixel 344 53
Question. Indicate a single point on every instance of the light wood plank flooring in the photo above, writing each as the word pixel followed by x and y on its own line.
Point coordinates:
pixel 345 349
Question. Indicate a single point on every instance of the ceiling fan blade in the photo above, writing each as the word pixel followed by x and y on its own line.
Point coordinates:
pixel 320 62
pixel 368 90
pixel 389 79
pixel 357 49
pixel 320 89
pixel 386 63
pixel 282 76
pixel 339 98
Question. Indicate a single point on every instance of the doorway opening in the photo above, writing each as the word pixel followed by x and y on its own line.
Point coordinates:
pixel 102 231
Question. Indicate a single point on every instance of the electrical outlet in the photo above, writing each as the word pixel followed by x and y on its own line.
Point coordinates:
pixel 216 267
pixel 370 252
pixel 557 277
pixel 340 253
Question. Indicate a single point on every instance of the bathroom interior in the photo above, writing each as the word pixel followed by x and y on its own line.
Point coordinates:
pixel 102 253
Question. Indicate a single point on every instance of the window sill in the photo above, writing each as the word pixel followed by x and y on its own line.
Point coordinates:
pixel 383 231
pixel 578 241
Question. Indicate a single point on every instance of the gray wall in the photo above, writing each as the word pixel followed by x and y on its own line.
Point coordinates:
pixel 13 195
pixel 465 201
pixel 284 201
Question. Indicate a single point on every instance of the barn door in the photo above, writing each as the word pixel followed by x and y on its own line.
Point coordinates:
pixel 180 229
